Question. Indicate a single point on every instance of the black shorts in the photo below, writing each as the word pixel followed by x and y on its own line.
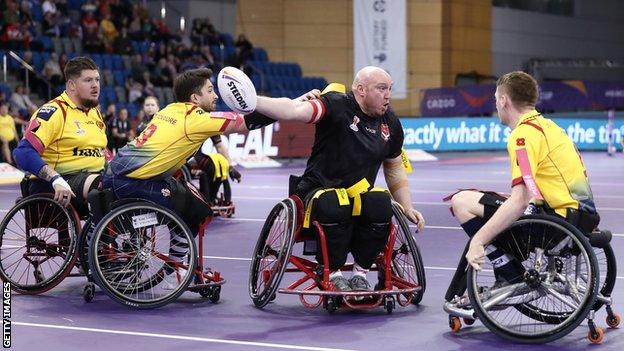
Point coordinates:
pixel 491 202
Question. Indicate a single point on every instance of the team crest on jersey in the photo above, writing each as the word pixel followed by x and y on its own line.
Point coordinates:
pixel 45 112
pixel 100 125
pixel 385 132
pixel 79 130
pixel 353 125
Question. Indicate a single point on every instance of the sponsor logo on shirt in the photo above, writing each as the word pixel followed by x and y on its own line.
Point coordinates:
pixel 385 132
pixel 370 130
pixel 87 152
pixel 79 130
pixel 45 112
pixel 353 125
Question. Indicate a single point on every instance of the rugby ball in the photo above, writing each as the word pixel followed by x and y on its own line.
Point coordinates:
pixel 236 90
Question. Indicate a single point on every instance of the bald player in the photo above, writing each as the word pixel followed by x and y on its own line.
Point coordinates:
pixel 356 133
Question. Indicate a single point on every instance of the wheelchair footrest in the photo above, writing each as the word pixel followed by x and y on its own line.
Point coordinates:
pixel 349 293
pixel 198 287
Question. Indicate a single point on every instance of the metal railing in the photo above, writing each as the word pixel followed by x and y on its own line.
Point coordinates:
pixel 28 70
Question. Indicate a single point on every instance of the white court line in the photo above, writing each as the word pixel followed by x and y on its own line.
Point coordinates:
pixel 429 203
pixel 435 268
pixel 411 225
pixel 178 337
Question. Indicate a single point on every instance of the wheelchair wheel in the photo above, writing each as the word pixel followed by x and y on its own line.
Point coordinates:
pixel 559 286
pixel 272 252
pixel 130 255
pixel 37 244
pixel 406 258
pixel 86 234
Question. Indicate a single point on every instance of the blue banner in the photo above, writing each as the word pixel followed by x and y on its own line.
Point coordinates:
pixel 487 133
pixel 478 100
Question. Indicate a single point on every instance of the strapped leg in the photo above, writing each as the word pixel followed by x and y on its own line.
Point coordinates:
pixel 337 226
pixel 371 227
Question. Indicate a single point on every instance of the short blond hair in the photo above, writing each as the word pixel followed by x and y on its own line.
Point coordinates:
pixel 521 88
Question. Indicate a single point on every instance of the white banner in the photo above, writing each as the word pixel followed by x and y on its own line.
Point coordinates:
pixel 379 39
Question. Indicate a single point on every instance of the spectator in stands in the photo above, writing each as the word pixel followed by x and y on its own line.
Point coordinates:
pixel 52 70
pixel 21 103
pixel 3 98
pixel 109 119
pixel 91 33
pixel 15 36
pixel 51 18
pixel 108 32
pixel 210 34
pixel 63 61
pixel 162 74
pixel 148 85
pixel 104 8
pixel 8 133
pixel 122 131
pixel 150 107
pixel 25 14
pixel 123 44
pixel 196 31
pixel 137 68
pixel 11 15
pixel 135 90
pixel 121 11
pixel 49 7
pixel 246 49
pixel 173 63
pixel 209 60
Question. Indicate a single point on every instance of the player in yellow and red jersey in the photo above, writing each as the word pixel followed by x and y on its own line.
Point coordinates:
pixel 144 167
pixel 546 170
pixel 65 140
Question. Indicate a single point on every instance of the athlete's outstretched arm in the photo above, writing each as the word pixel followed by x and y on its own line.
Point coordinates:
pixel 396 178
pixel 303 109
pixel 259 119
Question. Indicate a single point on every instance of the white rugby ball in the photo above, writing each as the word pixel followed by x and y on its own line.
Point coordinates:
pixel 236 90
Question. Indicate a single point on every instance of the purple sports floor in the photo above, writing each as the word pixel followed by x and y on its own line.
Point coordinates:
pixel 61 320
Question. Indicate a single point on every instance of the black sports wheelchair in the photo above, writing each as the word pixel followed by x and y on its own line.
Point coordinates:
pixel 568 276
pixel 122 246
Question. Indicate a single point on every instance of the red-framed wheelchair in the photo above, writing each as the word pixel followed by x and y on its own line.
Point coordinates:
pixel 39 244
pixel 41 241
pixel 400 270
pixel 130 254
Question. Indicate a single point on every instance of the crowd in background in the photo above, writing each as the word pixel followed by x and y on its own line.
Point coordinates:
pixel 170 51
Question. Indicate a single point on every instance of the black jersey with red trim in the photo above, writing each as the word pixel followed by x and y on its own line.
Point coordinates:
pixel 348 144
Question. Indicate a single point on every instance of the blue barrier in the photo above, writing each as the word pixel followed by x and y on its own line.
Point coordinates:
pixel 487 133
